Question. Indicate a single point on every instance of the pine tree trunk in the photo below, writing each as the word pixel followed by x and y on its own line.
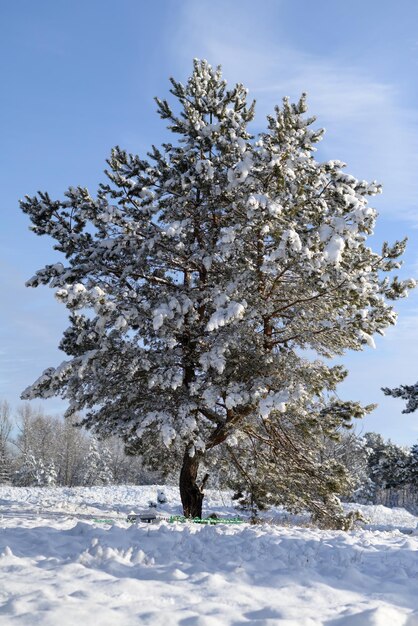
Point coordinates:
pixel 190 492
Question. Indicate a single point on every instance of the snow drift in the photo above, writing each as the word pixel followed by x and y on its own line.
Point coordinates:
pixel 59 565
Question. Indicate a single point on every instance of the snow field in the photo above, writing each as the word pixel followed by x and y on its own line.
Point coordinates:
pixel 59 566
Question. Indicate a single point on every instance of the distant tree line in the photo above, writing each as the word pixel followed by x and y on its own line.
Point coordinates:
pixel 380 472
pixel 37 449
pixel 388 473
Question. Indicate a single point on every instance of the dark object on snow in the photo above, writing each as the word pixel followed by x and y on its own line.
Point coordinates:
pixel 148 517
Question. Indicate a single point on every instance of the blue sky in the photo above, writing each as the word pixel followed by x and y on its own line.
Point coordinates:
pixel 80 77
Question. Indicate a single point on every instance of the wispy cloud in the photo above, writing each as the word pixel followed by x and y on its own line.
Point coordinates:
pixel 368 123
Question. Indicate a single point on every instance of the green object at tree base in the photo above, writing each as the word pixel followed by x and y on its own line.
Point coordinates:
pixel 207 520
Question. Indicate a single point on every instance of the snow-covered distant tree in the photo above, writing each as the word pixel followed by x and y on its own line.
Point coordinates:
pixel 25 474
pixel 412 468
pixel 50 446
pixel 4 464
pixel 198 277
pixel 5 430
pixel 97 465
pixel 392 471
pixel 72 444
pixel 388 465
pixel 38 435
pixel 376 447
pixel 55 448
pixel 32 471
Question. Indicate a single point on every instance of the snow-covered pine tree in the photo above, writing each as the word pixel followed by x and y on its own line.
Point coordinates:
pixel 32 471
pixel 375 447
pixel 25 475
pixel 393 471
pixel 406 392
pixel 198 276
pixel 97 465
pixel 359 466
pixel 387 469
pixel 50 475
pixel 412 468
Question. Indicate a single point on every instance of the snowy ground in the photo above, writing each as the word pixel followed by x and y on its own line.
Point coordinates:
pixel 60 566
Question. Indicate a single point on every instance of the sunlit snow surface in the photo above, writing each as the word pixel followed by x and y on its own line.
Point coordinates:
pixel 60 567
